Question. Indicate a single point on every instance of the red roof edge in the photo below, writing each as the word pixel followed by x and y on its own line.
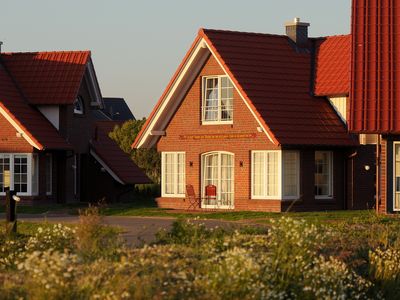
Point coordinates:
pixel 160 100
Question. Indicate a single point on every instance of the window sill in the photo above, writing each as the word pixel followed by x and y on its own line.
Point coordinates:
pixel 324 198
pixel 173 196
pixel 266 198
pixel 207 123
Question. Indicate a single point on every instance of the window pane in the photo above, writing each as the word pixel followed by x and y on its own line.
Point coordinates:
pixel 49 174
pixel 174 173
pixel 323 173
pixel 258 174
pixel 218 99
pixel 4 171
pixel 397 177
pixel 272 173
pixel 290 173
pixel 35 174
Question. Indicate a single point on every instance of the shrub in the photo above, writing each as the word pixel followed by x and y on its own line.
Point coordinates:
pixel 93 240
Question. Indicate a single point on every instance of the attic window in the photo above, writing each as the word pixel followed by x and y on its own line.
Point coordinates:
pixel 217 100
pixel 78 106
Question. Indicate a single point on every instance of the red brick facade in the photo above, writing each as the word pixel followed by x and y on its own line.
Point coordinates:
pixel 187 122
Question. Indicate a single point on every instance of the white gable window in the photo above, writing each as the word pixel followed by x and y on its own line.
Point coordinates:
pixel 275 175
pixel 173 174
pixel 323 174
pixel 340 105
pixel 78 106
pixel 217 104
pixel 20 173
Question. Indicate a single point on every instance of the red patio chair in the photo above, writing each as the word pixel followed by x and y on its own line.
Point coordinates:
pixel 211 194
pixel 194 202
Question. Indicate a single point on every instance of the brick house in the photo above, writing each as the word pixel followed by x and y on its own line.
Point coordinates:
pixel 52 149
pixel 263 119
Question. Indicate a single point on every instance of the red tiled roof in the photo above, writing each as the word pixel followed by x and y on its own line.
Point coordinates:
pixel 37 128
pixel 332 66
pixel 275 80
pixel 118 161
pixel 375 93
pixel 48 77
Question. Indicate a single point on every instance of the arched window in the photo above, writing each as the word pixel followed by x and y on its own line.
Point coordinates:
pixel 78 106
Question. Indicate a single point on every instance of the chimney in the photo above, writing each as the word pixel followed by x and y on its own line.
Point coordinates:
pixel 298 32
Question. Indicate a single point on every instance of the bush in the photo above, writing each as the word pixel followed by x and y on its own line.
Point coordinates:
pixel 93 240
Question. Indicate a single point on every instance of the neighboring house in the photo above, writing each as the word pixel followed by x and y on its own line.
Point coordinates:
pixel 263 118
pixel 375 93
pixel 117 109
pixel 52 149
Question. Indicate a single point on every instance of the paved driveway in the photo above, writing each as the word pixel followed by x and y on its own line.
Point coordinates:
pixel 136 230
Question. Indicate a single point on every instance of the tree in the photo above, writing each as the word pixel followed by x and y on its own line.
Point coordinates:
pixel 147 159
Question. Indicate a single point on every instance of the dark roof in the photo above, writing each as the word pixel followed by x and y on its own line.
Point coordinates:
pixel 375 93
pixel 112 155
pixel 37 128
pixel 48 77
pixel 117 109
pixel 332 65
pixel 275 79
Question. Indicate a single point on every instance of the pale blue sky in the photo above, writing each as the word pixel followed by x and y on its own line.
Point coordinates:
pixel 137 45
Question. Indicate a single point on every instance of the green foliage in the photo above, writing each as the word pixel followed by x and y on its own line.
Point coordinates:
pixel 147 159
pixel 292 259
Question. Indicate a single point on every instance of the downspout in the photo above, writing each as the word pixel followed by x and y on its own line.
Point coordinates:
pixel 352 156
pixel 378 177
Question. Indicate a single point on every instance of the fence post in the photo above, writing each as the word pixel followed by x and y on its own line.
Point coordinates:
pixel 11 212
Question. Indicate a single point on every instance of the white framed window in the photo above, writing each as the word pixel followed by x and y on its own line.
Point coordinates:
pixel 218 170
pixel 78 106
pixel 396 177
pixel 173 174
pixel 217 104
pixel 266 174
pixel 275 175
pixel 20 172
pixel 49 174
pixel 323 176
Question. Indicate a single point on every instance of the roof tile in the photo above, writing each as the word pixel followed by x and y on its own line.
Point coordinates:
pixel 48 77
pixel 262 64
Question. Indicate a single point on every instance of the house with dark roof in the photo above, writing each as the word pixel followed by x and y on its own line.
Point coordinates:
pixel 117 109
pixel 259 122
pixel 52 149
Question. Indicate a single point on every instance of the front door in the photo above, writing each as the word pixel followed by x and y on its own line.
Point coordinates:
pixel 218 170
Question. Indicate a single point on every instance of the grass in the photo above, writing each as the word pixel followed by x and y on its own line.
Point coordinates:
pixel 42 209
pixel 26 228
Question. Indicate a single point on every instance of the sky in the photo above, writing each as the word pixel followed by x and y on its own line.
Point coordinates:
pixel 137 45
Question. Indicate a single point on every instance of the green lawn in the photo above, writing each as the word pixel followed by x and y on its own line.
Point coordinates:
pixel 146 208
pixel 42 209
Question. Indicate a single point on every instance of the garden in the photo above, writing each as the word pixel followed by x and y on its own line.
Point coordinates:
pixel 289 258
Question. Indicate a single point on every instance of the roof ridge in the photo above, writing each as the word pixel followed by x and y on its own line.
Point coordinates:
pixel 331 36
pixel 46 52
pixel 204 30
pixel 241 32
